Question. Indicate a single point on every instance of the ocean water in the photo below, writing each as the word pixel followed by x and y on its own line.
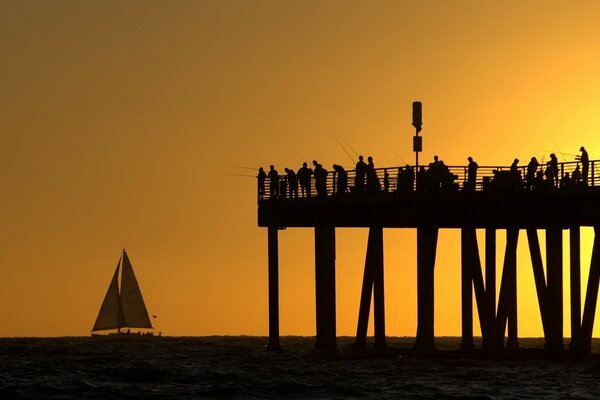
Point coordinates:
pixel 240 367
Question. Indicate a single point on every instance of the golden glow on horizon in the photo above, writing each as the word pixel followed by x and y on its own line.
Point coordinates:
pixel 120 122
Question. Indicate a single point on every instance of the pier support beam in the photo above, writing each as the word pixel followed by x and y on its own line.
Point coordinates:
pixel 490 288
pixel 273 289
pixel 426 251
pixel 555 285
pixel 575 284
pixel 591 296
pixel 467 249
pixel 507 300
pixel 325 287
pixel 471 277
pixel 540 283
pixel 372 282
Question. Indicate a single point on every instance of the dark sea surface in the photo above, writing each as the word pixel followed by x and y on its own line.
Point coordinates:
pixel 240 367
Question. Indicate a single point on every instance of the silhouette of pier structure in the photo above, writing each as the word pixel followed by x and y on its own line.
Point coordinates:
pixel 499 200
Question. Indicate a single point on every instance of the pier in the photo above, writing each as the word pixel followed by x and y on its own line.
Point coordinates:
pixel 499 199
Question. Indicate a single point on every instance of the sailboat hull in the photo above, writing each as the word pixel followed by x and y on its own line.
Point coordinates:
pixel 124 336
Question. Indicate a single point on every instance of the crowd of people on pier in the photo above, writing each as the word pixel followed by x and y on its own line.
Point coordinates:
pixel 436 177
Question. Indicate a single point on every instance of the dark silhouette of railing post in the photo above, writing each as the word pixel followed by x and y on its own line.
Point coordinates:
pixel 325 287
pixel 273 289
pixel 372 283
pixel 426 252
pixel 575 284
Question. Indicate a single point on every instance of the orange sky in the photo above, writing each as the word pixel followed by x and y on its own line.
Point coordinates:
pixel 121 121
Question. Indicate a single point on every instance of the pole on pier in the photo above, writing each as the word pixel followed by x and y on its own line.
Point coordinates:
pixel 591 296
pixel 555 285
pixel 325 287
pixel 490 288
pixel 273 289
pixel 372 283
pixel 426 251
pixel 575 284
pixel 417 122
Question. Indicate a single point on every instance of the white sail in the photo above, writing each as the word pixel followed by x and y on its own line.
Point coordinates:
pixel 111 313
pixel 132 302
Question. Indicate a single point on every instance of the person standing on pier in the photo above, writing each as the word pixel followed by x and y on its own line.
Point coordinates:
pixel 514 168
pixel 386 181
pixel 576 177
pixel 273 182
pixel 262 176
pixel 471 174
pixel 421 179
pixel 553 166
pixel 585 164
pixel 303 176
pixel 342 179
pixel 372 179
pixel 292 183
pixel 320 179
pixel 361 170
pixel 531 170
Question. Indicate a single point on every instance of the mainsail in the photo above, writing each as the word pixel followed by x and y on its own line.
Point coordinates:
pixel 125 308
pixel 132 302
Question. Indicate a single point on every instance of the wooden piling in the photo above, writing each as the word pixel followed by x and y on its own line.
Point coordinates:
pixel 325 287
pixel 575 284
pixel 372 283
pixel 426 252
pixel 490 288
pixel 273 260
pixel 555 286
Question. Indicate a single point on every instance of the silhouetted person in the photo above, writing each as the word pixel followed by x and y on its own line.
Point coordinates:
pixel 282 188
pixel 386 181
pixel 372 179
pixel 434 174
pixel 342 179
pixel 320 179
pixel 538 182
pixel 273 182
pixel 361 171
pixel 566 182
pixel 421 179
pixel 585 164
pixel 303 176
pixel 471 173
pixel 410 177
pixel 576 177
pixel 262 176
pixel 552 165
pixel 514 168
pixel 531 172
pixel 292 182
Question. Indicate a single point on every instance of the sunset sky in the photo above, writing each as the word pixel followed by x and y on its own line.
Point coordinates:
pixel 123 124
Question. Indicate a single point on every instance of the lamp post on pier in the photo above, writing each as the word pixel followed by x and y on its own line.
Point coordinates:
pixel 417 122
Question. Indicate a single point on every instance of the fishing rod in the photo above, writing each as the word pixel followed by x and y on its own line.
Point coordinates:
pixel 351 148
pixel 343 148
pixel 242 175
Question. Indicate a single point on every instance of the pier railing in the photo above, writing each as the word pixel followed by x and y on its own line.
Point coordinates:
pixel 407 179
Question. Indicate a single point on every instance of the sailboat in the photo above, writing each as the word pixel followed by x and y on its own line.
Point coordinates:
pixel 124 308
